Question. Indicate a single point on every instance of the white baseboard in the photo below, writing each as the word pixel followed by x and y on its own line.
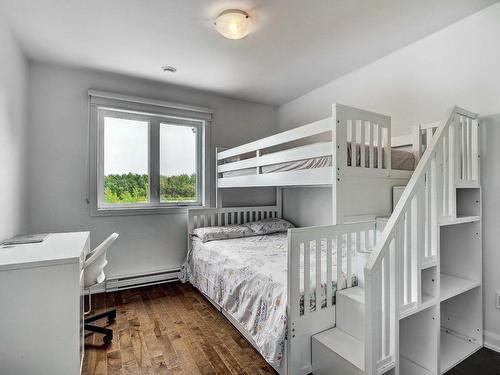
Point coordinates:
pixel 492 341
pixel 131 281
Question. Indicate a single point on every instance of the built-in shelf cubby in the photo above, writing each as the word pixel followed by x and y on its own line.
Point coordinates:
pixel 461 259
pixel 461 327
pixel 468 202
pixel 418 342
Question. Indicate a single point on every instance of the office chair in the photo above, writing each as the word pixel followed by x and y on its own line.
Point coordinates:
pixel 94 275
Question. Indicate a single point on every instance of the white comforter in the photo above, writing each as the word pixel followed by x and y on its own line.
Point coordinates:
pixel 247 277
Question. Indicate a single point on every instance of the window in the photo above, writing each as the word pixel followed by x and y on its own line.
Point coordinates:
pixel 178 163
pixel 145 160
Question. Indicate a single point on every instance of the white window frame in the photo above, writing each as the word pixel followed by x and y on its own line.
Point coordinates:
pixel 155 113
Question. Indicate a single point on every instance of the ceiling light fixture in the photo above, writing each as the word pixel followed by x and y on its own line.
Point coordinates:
pixel 233 24
pixel 168 69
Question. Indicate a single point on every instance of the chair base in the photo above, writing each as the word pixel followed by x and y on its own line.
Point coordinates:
pixel 107 332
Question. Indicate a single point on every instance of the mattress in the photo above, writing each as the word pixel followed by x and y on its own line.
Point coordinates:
pixel 400 160
pixel 247 277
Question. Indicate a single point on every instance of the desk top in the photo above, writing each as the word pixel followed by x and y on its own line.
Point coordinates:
pixel 57 248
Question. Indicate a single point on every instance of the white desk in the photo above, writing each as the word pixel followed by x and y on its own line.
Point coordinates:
pixel 41 305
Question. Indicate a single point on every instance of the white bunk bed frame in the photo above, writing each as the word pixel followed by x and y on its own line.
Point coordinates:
pixel 356 189
pixel 300 325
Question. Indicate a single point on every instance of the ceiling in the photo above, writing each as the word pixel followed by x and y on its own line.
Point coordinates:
pixel 297 45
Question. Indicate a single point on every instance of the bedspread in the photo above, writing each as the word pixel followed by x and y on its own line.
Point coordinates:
pixel 247 277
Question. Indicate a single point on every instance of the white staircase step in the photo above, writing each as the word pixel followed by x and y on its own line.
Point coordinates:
pixel 336 352
pixel 350 311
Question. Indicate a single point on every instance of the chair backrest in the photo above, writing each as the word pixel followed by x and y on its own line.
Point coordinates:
pixel 96 261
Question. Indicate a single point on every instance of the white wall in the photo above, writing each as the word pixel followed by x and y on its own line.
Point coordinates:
pixel 58 120
pixel 455 66
pixel 490 173
pixel 12 135
pixel 459 65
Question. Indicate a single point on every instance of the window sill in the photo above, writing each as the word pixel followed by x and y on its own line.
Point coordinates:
pixel 129 211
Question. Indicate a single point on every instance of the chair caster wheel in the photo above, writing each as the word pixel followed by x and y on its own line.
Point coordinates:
pixel 111 318
pixel 107 340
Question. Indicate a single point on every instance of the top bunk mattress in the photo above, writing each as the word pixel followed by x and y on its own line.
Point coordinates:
pixel 400 160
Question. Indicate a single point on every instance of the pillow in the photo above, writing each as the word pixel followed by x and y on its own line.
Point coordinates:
pixel 206 234
pixel 268 226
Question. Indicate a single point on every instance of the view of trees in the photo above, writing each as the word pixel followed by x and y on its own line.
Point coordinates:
pixel 133 188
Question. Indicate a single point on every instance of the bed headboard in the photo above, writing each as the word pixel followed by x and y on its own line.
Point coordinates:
pixel 211 217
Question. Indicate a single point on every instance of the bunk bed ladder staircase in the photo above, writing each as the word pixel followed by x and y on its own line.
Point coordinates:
pixel 395 322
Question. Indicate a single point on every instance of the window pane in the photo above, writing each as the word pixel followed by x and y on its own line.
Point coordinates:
pixel 126 176
pixel 178 163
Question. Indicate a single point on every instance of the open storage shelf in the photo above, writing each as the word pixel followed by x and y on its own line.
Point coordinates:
pixel 461 328
pixel 454 350
pixel 452 286
pixel 468 202
pixel 461 258
pixel 418 340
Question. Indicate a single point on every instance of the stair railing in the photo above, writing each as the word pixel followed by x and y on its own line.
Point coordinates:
pixel 450 160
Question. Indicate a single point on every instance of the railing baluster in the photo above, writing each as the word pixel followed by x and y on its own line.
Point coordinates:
pixel 349 260
pixel 409 253
pixel 445 176
pixel 452 168
pixel 387 308
pixel 353 144
pixel 398 243
pixel 428 223
pixel 469 149
pixel 475 151
pixel 463 148
pixel 338 247
pixel 318 274
pixel 370 132
pixel 329 270
pixel 380 332
pixel 307 277
pixel 362 144
pixel 379 146
pixel 434 207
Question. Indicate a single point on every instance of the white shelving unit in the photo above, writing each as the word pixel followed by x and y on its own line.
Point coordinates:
pixel 446 326
pixel 460 281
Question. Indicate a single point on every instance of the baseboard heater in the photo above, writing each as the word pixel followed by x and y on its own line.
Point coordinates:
pixel 136 281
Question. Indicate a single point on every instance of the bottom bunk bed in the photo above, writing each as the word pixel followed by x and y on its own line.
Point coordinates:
pixel 256 273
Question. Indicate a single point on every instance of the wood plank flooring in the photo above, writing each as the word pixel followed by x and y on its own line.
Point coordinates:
pixel 483 362
pixel 168 329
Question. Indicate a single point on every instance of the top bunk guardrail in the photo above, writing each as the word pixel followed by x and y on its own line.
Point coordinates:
pixel 352 142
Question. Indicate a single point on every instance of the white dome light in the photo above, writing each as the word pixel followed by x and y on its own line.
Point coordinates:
pixel 233 24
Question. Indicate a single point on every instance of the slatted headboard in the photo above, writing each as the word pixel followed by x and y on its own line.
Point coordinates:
pixel 210 217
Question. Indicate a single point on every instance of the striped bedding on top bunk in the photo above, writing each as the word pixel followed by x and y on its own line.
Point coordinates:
pixel 400 160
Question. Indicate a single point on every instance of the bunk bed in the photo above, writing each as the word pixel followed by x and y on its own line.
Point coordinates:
pixel 342 151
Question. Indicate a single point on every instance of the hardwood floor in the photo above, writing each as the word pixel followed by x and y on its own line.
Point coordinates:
pixel 168 329
pixel 483 362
